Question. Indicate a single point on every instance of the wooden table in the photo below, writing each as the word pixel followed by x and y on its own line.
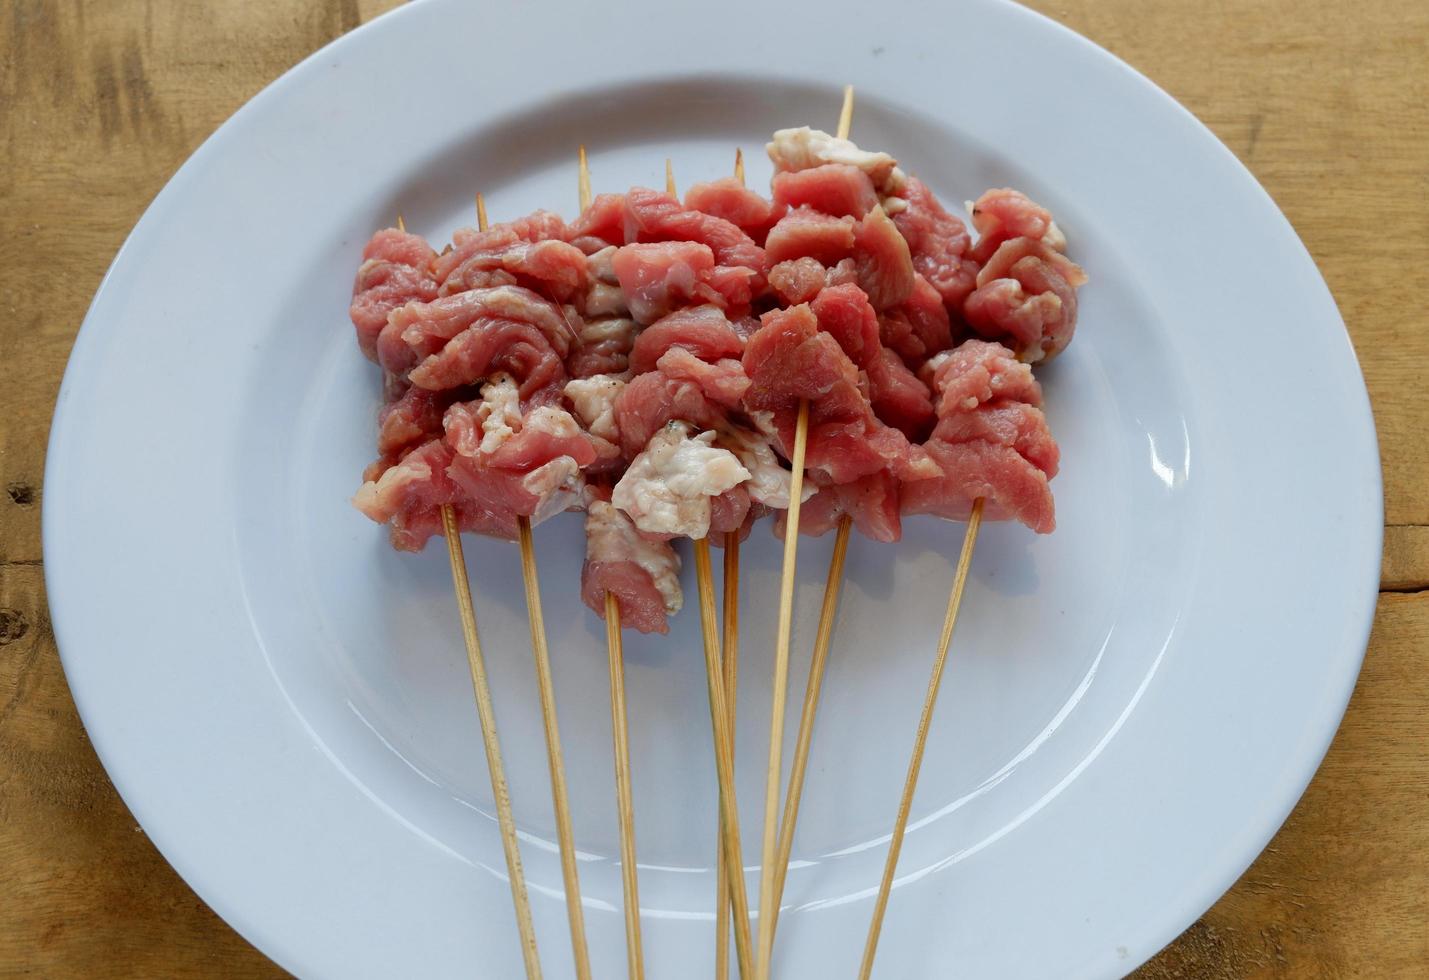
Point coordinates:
pixel 101 100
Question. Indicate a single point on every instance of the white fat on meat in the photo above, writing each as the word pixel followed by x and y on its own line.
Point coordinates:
pixel 803 148
pixel 612 537
pixel 594 401
pixel 769 482
pixel 558 484
pixel 668 487
pixel 499 413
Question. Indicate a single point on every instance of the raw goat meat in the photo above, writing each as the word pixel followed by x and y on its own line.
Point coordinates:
pixel 702 330
pixel 1027 296
pixel 395 270
pixel 647 363
pixel 939 244
pixel 730 200
pixel 642 574
pixel 991 441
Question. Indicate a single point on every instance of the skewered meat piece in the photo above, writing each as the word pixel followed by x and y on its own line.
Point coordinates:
pixel 940 244
pixel 641 573
pixel 1027 296
pixel 991 441
pixel 395 270
pixel 730 200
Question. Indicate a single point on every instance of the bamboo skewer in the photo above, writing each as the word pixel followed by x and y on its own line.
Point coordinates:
pixel 620 731
pixel 634 953
pixel 546 691
pixel 846 114
pixel 780 690
pixel 560 801
pixel 730 660
pixel 486 715
pixel 723 735
pixel 724 762
pixel 920 740
pixel 812 690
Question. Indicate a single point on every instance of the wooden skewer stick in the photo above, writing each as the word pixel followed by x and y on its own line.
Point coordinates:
pixel 561 802
pixel 634 953
pixel 620 730
pixel 846 114
pixel 920 741
pixel 817 665
pixel 731 684
pixel 486 714
pixel 723 736
pixel 546 690
pixel 730 659
pixel 768 872
pixel 583 179
pixel 812 690
pixel 780 691
pixel 724 761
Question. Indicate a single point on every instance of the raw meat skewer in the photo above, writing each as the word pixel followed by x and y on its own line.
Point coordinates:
pixel 768 856
pixel 634 954
pixel 915 763
pixel 730 660
pixel 723 731
pixel 546 690
pixel 814 687
pixel 486 714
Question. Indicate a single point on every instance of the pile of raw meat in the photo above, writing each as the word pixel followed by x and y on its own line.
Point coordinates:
pixel 645 364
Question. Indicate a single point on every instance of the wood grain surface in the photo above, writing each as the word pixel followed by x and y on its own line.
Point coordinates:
pixel 101 100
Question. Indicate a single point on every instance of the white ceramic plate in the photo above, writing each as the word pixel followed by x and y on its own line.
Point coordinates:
pixel 1134 703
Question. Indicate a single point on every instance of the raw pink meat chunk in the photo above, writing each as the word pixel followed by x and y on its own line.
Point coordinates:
pixel 939 243
pixel 395 270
